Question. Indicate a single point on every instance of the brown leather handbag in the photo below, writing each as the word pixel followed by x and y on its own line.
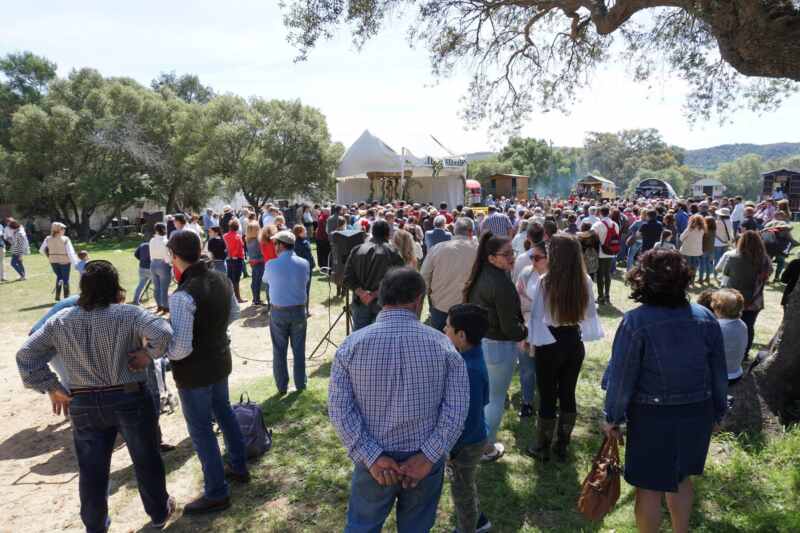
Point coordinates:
pixel 600 489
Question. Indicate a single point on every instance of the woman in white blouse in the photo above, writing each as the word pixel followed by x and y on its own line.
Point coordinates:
pixel 563 316
pixel 160 267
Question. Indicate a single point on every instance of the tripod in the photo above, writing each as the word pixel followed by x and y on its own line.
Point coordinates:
pixel 348 321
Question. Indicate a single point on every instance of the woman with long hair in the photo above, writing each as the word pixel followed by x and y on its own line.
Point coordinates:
pixel 692 243
pixel 404 243
pixel 268 251
pixel 489 285
pixel 747 270
pixel 61 254
pixel 668 380
pixel 563 316
pixel 707 263
pixel 160 266
pixel 255 258
pixel 235 262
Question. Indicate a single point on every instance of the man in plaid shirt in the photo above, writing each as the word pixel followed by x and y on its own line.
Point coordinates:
pixel 398 399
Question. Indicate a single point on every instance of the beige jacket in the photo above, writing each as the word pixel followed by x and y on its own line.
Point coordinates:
pixel 446 270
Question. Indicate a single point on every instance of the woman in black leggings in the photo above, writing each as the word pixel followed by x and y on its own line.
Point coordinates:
pixel 563 316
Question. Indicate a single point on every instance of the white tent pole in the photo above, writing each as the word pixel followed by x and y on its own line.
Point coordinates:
pixel 402 172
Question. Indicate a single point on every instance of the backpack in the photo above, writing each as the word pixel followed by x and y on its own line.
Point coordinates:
pixel 257 438
pixel 611 244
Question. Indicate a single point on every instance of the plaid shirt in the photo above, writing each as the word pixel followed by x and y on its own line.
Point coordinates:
pixel 93 345
pixel 498 224
pixel 398 386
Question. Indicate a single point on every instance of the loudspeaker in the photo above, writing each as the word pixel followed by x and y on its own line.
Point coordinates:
pixel 342 243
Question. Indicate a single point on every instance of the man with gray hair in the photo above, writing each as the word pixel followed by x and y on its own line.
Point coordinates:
pixel 437 234
pixel 446 269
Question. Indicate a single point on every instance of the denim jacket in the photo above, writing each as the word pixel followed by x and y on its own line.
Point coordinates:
pixel 666 356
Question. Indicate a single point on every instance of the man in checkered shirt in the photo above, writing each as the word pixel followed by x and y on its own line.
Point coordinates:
pixel 497 223
pixel 93 341
pixel 398 399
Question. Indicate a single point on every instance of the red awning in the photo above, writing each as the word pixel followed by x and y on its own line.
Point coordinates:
pixel 473 184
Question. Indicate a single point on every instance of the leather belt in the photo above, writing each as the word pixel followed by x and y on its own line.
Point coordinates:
pixel 127 387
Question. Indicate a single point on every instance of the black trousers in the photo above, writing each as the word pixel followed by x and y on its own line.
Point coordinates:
pixel 749 318
pixel 604 277
pixel 557 369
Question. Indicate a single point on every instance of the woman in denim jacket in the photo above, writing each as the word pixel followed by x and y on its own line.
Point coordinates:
pixel 667 378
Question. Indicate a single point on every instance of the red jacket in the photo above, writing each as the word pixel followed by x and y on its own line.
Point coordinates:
pixel 235 245
pixel 268 251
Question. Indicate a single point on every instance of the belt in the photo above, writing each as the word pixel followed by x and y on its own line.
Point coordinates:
pixel 286 307
pixel 136 386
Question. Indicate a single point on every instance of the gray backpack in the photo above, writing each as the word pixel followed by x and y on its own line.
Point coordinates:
pixel 257 438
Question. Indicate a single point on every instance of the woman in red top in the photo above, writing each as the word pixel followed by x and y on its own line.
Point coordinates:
pixel 268 248
pixel 235 262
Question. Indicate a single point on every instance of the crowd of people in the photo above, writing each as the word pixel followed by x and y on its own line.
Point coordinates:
pixel 516 285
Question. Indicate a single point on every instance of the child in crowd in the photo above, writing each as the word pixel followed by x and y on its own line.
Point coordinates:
pixel 302 248
pixel 666 241
pixel 466 326
pixel 727 305
pixel 83 257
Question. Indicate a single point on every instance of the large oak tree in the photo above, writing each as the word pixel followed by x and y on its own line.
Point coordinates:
pixel 525 54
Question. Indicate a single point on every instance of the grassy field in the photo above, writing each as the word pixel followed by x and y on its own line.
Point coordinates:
pixel 751 483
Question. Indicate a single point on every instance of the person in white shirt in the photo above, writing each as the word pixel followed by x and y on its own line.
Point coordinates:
pixel 518 242
pixel 601 228
pixel 160 267
pixel 563 317
pixel 61 254
pixel 194 226
pixel 737 215
pixel 591 218
pixel 534 234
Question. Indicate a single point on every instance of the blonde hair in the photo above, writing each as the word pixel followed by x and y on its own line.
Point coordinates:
pixel 267 233
pixel 404 243
pixel 56 227
pixel 251 231
pixel 727 303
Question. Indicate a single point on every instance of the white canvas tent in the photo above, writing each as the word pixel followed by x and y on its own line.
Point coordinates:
pixel 369 160
pixel 708 187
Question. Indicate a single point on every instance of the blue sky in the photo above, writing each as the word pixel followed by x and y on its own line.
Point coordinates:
pixel 240 46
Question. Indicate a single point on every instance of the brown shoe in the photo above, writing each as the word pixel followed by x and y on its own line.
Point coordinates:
pixel 203 505
pixel 233 475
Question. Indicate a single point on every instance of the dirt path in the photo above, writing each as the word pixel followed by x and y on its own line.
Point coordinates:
pixel 38 471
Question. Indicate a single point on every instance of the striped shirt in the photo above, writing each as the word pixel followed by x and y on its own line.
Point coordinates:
pixel 498 224
pixel 398 386
pixel 93 346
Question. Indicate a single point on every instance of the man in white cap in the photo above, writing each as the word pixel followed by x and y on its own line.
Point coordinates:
pixel 286 277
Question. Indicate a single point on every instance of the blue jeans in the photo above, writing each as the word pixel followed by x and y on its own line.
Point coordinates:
pixel 501 358
pixel 288 325
pixel 96 420
pixel 16 264
pixel 633 250
pixel 370 503
pixel 695 263
pixel 438 319
pixel 198 405
pixel 255 282
pixel 363 315
pixel 162 275
pixel 219 266
pixel 719 251
pixel 736 226
pixel 527 376
pixel 62 274
pixel 707 265
pixel 145 274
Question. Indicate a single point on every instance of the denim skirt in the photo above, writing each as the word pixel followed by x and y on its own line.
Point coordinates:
pixel 667 443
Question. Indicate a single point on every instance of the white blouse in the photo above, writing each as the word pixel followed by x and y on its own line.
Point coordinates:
pixel 159 250
pixel 540 321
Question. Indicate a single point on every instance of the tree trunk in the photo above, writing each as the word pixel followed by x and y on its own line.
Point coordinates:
pixel 769 396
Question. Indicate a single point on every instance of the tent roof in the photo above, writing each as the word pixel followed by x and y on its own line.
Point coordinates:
pixel 591 178
pixel 708 182
pixel 370 154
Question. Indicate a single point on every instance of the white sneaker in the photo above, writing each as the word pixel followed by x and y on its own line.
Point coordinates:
pixel 494 455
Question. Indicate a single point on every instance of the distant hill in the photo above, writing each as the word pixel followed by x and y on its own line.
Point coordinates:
pixel 711 158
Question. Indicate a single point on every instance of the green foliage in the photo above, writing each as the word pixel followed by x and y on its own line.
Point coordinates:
pixel 553 171
pixel 25 77
pixel 186 87
pixel 481 170
pixel 707 159
pixel 620 156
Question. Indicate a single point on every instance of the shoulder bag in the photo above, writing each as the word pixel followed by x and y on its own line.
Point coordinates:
pixel 600 489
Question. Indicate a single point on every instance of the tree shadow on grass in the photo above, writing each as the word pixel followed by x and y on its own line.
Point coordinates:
pixel 609 311
pixel 322 371
pixel 35 307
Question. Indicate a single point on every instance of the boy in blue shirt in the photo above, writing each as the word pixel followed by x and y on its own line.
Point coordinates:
pixel 466 326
